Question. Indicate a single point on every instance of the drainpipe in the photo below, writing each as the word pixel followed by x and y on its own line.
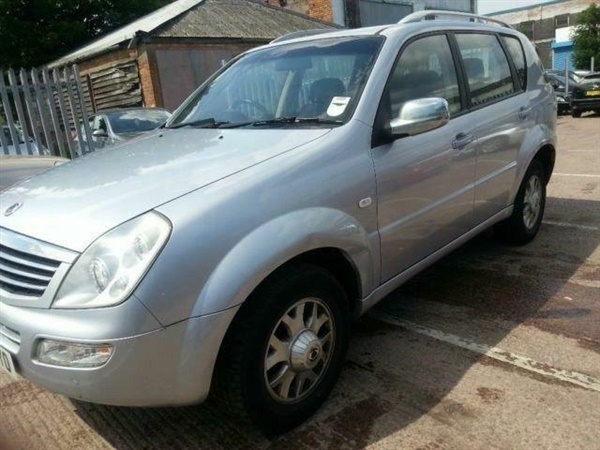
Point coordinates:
pixel 339 13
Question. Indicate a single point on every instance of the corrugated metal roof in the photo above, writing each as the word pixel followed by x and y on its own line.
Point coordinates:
pixel 238 19
pixel 233 19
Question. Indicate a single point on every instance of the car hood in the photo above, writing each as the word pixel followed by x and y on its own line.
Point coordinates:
pixel 75 203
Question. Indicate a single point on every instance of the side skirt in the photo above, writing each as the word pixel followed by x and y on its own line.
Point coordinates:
pixel 390 285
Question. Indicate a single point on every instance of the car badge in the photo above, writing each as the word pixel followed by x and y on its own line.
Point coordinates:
pixel 12 209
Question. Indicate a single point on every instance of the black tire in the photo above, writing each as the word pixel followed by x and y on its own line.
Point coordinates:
pixel 240 380
pixel 517 229
pixel 597 111
pixel 576 114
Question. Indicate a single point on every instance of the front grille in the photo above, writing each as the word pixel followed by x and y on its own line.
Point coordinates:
pixel 25 274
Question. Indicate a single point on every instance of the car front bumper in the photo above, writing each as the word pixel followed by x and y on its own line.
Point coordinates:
pixel 150 365
pixel 585 104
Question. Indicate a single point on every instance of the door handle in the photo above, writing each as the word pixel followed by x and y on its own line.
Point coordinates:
pixel 524 112
pixel 462 140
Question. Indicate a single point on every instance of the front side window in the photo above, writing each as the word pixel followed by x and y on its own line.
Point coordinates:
pixel 425 69
pixel 317 79
pixel 486 66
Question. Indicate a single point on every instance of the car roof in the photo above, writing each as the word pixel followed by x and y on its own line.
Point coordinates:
pixel 399 29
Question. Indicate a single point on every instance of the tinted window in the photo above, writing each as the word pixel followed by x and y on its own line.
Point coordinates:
pixel 518 56
pixel 425 69
pixel 487 68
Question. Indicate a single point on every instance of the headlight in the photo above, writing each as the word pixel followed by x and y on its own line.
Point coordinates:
pixel 106 273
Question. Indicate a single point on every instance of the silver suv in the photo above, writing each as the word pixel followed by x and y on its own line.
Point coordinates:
pixel 228 251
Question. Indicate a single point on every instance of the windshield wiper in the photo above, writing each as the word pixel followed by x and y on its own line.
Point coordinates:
pixel 284 121
pixel 202 123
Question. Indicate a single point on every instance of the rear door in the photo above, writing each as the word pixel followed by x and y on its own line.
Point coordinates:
pixel 495 70
pixel 424 182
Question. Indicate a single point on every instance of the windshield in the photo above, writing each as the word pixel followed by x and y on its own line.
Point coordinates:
pixel 138 120
pixel 278 86
pixel 592 77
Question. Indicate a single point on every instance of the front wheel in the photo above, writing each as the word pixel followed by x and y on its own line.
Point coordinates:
pixel 524 223
pixel 576 114
pixel 285 350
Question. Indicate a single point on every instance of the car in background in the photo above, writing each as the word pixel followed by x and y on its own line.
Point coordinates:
pixel 562 90
pixel 112 127
pixel 21 148
pixel 14 169
pixel 574 76
pixel 586 95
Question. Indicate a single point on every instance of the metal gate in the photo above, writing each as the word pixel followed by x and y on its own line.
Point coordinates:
pixel 43 112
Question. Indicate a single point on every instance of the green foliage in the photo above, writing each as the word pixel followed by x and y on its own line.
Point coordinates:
pixel 35 32
pixel 586 38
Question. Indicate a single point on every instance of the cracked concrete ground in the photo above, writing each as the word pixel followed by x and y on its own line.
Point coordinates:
pixel 407 384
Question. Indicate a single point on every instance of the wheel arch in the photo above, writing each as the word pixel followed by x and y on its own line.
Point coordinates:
pixel 324 237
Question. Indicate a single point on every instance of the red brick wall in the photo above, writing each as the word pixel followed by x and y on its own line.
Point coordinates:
pixel 149 78
pixel 319 9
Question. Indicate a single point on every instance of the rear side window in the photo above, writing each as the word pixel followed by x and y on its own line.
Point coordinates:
pixel 486 66
pixel 518 56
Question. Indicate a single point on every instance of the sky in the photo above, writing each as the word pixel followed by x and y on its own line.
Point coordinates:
pixel 489 6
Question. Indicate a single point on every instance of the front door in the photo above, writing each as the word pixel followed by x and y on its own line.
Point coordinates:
pixel 424 182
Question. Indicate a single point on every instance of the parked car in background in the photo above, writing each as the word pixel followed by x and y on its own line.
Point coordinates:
pixel 14 169
pixel 112 127
pixel 562 91
pixel 229 251
pixel 586 95
pixel 574 77
pixel 11 148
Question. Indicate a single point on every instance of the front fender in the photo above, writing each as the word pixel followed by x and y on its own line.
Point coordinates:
pixel 275 242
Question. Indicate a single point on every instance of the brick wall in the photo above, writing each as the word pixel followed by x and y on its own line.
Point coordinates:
pixel 319 9
pixel 149 78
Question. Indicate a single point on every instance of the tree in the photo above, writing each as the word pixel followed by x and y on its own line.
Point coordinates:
pixel 586 38
pixel 35 32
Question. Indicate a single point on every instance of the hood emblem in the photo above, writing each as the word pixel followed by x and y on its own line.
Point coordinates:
pixel 12 209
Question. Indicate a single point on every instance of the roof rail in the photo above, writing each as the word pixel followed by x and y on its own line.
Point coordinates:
pixel 302 33
pixel 451 15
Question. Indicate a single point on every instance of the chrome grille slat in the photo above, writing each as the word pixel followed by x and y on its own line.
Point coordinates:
pixel 4 280
pixel 25 259
pixel 25 274
pixel 16 271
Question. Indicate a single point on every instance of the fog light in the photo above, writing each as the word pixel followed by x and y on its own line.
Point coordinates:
pixel 70 354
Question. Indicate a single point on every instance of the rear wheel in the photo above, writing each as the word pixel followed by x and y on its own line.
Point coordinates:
pixel 285 350
pixel 524 223
pixel 576 114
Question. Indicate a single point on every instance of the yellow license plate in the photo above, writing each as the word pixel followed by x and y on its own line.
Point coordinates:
pixel 592 93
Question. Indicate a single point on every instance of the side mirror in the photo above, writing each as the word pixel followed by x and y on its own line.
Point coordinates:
pixel 100 134
pixel 555 84
pixel 419 116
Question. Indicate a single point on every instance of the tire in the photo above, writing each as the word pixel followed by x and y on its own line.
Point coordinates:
pixel 308 364
pixel 597 111
pixel 576 114
pixel 524 223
